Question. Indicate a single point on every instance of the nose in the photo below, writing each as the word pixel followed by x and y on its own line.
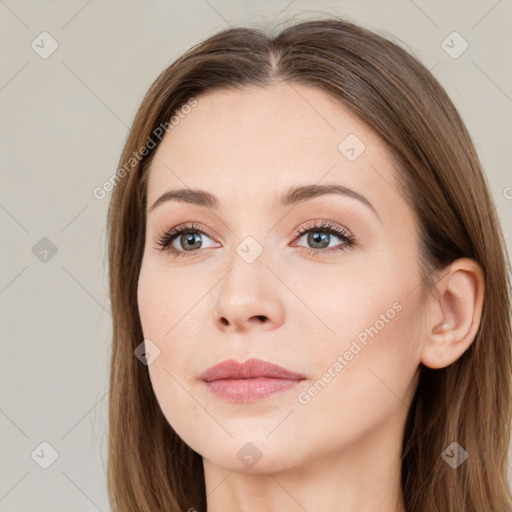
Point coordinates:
pixel 249 297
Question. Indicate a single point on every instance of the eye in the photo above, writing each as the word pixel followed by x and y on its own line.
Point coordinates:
pixel 188 238
pixel 321 235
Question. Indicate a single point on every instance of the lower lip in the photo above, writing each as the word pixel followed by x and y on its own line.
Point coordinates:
pixel 248 390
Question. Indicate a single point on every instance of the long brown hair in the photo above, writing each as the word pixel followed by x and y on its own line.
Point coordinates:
pixel 150 468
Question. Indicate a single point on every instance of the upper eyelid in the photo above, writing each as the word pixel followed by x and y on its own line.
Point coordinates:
pixel 298 232
pixel 322 224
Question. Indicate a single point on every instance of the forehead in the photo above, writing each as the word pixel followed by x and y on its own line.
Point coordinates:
pixel 256 141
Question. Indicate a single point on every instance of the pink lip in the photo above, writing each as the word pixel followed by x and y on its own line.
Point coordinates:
pixel 251 380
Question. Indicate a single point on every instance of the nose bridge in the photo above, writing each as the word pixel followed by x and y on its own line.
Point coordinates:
pixel 251 249
pixel 251 241
pixel 247 263
pixel 247 293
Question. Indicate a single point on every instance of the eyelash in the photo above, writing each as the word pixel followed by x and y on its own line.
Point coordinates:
pixel 324 226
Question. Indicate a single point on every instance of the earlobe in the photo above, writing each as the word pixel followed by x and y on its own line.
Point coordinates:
pixel 454 315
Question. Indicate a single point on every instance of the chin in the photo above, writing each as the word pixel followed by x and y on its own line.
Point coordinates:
pixel 258 457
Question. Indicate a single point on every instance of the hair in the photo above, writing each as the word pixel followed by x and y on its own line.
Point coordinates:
pixel 150 468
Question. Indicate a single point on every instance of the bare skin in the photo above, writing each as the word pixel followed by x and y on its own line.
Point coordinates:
pixel 336 448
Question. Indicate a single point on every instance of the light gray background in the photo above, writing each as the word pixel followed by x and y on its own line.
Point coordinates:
pixel 63 121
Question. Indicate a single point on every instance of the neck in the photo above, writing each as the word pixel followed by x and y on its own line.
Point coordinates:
pixel 362 477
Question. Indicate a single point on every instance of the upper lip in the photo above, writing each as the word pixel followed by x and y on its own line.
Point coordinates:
pixel 252 368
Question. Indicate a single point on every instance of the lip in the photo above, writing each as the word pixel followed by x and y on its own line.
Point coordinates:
pixel 252 380
pixel 250 369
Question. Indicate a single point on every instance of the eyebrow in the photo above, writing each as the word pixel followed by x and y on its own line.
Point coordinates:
pixel 293 196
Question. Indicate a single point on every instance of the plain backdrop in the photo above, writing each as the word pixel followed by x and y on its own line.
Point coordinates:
pixel 72 75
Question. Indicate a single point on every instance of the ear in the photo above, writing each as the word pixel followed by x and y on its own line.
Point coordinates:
pixel 453 316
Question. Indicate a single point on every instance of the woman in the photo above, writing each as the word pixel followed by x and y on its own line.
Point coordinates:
pixel 309 286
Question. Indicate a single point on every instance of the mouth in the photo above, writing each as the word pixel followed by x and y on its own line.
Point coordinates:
pixel 252 380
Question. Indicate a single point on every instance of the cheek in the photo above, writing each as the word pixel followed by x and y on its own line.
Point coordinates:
pixel 167 315
pixel 341 304
pixel 150 308
pixel 357 387
pixel 372 343
pixel 360 385
pixel 165 298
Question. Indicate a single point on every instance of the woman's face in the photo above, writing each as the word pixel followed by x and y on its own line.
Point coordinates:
pixel 337 304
